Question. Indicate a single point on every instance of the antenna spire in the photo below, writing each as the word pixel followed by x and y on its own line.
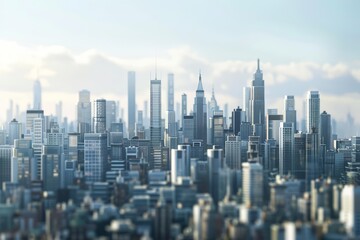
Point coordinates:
pixel 258 64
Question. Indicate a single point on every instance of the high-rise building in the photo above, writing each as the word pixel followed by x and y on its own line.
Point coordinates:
pixel 171 120
pixel 325 130
pixel 99 116
pixel 257 103
pixel 313 111
pixel 286 148
pixel 15 130
pixel 233 152
pixel 212 105
pixel 111 112
pixel 236 120
pixel 289 110
pixel 183 108
pixel 23 164
pixel 95 156
pixel 217 129
pixel 51 167
pixel 188 129
pixel 84 112
pixel 252 184
pixel 58 112
pixel 35 128
pixel 273 120
pixel 178 167
pixel 246 104
pixel 37 96
pixel 131 104
pixel 215 164
pixel 5 164
pixel 155 123
pixel 199 113
pixel 313 166
pixel 350 210
pixel 300 155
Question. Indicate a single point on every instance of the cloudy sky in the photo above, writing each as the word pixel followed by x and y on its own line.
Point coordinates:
pixel 74 45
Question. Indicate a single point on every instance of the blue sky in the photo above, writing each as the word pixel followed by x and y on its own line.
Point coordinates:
pixel 278 31
pixel 303 45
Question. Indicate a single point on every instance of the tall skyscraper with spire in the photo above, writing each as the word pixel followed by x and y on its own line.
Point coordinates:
pixel 200 115
pixel 155 124
pixel 37 96
pixel 257 103
pixel 131 104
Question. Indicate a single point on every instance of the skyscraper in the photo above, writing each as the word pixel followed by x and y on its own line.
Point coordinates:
pixel 95 157
pixel 312 111
pixel 51 167
pixel 111 112
pixel 171 121
pixel 155 123
pixel 200 116
pixel 236 120
pixel 178 164
pixel 212 105
pixel 313 167
pixel 23 164
pixel 252 184
pixel 84 112
pixel 99 116
pixel 233 152
pixel 5 164
pixel 35 128
pixel 183 108
pixel 286 148
pixel 37 96
pixel 215 164
pixel 289 110
pixel 14 131
pixel 131 103
pixel 257 103
pixel 325 130
pixel 246 104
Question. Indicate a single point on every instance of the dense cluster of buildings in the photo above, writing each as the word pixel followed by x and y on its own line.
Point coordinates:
pixel 198 174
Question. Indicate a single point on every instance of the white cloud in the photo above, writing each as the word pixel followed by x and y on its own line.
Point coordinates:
pixel 64 72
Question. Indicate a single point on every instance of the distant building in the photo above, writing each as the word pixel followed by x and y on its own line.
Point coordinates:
pixel 99 116
pixel 313 111
pixel 131 103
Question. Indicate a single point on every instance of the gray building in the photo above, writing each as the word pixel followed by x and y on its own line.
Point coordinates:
pixel 257 103
pixel 95 157
pixel 200 115
pixel 155 124
pixel 286 148
pixel 51 167
pixel 312 111
pixel 23 164
pixel 5 163
pixel 325 130
pixel 84 112
pixel 99 116
pixel 289 110
pixel 37 105
pixel 131 103
pixel 183 108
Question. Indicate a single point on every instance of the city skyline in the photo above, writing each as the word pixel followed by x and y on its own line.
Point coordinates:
pixel 66 63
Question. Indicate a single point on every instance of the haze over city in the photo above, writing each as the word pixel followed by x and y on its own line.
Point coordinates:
pixel 70 46
pixel 186 120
